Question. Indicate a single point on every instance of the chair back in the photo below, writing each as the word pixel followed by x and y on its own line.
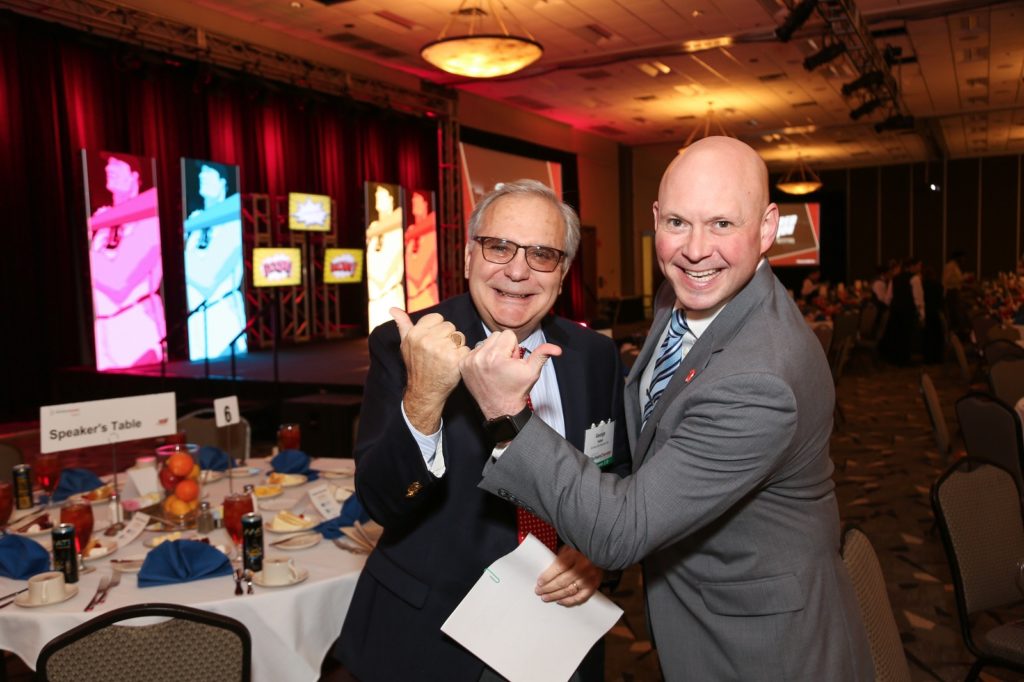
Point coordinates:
pixel 1007 380
pixel 844 326
pixel 193 645
pixel 992 432
pixel 200 427
pixel 961 357
pixel 1003 333
pixel 977 506
pixel 10 456
pixel 869 583
pixel 980 325
pixel 824 334
pixel 868 318
pixel 934 408
pixel 1002 349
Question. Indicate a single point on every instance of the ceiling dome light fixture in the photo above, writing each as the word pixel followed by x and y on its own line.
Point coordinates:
pixel 800 179
pixel 481 52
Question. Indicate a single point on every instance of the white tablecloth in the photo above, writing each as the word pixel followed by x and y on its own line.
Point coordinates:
pixel 292 627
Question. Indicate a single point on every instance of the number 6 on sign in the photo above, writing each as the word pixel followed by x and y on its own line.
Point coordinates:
pixel 225 410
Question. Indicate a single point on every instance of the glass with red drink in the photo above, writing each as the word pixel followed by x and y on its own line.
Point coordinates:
pixel 78 513
pixel 289 437
pixel 235 506
pixel 47 470
pixel 6 502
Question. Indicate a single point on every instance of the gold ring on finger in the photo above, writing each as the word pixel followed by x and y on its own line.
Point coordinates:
pixel 458 338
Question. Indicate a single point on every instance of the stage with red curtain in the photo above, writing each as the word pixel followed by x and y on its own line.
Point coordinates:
pixel 63 90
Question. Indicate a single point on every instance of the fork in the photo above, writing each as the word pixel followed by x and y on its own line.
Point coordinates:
pixel 102 588
pixel 248 581
pixel 115 580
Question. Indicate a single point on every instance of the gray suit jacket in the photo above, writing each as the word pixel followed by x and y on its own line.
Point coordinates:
pixel 730 506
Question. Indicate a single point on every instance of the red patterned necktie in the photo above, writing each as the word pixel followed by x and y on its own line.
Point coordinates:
pixel 526 522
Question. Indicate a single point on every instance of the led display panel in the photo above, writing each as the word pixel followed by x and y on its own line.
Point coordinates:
pixel 309 212
pixel 212 220
pixel 385 251
pixel 276 267
pixel 125 263
pixel 421 251
pixel 343 266
pixel 798 240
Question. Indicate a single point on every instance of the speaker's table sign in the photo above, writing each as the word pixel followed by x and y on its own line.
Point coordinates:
pixel 100 422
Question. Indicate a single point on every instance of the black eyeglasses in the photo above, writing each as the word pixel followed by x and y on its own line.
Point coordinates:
pixel 501 251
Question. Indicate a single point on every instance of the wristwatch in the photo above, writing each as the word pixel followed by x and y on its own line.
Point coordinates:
pixel 507 426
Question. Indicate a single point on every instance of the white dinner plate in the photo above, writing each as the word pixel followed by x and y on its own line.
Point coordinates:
pixel 129 564
pixel 302 574
pixel 103 548
pixel 269 527
pixel 289 480
pixel 277 492
pixel 243 472
pixel 277 504
pixel 305 540
pixel 210 476
pixel 22 599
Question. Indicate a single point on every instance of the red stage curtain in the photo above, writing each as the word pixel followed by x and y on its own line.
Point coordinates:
pixel 62 90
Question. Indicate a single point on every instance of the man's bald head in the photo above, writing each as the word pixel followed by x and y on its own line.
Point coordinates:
pixel 736 160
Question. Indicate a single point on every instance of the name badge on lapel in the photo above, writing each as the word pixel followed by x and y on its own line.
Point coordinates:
pixel 598 442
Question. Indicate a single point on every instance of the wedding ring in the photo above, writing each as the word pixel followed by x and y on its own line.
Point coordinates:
pixel 575 587
pixel 458 338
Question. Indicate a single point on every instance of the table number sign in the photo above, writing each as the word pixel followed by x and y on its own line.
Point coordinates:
pixel 225 411
pixel 101 422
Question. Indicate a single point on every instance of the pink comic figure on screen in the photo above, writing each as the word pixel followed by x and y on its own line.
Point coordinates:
pixel 126 269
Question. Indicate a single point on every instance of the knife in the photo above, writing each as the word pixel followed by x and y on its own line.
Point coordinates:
pixel 13 594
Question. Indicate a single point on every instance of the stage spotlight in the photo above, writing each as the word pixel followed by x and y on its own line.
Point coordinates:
pixel 796 18
pixel 934 186
pixel 824 56
pixel 865 109
pixel 895 122
pixel 868 80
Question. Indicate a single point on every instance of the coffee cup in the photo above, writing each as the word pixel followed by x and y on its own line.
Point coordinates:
pixel 45 588
pixel 279 570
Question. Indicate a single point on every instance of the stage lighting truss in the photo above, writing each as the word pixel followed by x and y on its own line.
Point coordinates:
pixel 848 35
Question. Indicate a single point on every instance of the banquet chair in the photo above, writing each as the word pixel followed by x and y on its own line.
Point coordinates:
pixel 992 432
pixel 977 508
pixel 200 428
pixel 1007 380
pixel 890 661
pixel 938 419
pixel 1003 333
pixel 10 456
pixel 193 645
pixel 961 358
pixel 980 326
pixel 1001 349
pixel 824 334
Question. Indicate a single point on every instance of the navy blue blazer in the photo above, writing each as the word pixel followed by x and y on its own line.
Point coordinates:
pixel 441 533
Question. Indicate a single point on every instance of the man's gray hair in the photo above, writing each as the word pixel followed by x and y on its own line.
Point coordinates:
pixel 537 189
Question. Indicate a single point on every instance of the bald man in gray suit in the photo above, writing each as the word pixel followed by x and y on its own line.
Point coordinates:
pixel 730 506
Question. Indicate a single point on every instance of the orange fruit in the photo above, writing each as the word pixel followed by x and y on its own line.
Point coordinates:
pixel 176 506
pixel 186 490
pixel 180 464
pixel 194 474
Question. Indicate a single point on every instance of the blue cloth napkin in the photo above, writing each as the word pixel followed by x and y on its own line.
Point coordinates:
pixel 182 561
pixel 73 481
pixel 214 459
pixel 351 512
pixel 21 558
pixel 293 462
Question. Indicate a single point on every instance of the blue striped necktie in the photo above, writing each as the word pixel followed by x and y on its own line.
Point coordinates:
pixel 669 358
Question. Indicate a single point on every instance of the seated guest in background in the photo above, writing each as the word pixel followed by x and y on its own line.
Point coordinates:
pixel 881 286
pixel 952 282
pixel 731 505
pixel 810 285
pixel 422 444
pixel 933 342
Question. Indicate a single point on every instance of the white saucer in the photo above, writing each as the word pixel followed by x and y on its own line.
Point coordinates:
pixel 302 575
pixel 243 472
pixel 269 527
pixel 103 548
pixel 298 542
pixel 22 599
pixel 130 564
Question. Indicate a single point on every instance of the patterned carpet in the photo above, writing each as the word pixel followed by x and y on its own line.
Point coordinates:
pixel 886 461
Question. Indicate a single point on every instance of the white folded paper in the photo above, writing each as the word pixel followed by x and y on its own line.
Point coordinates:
pixel 507 626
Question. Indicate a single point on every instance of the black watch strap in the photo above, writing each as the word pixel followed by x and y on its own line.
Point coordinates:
pixel 507 426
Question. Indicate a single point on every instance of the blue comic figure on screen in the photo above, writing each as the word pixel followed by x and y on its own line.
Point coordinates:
pixel 213 258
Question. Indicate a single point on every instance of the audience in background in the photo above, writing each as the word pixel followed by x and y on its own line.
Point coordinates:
pixel 933 337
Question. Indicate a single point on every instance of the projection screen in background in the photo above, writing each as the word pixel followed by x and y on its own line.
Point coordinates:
pixel 421 251
pixel 125 266
pixel 385 251
pixel 343 266
pixel 212 215
pixel 309 212
pixel 483 168
pixel 798 241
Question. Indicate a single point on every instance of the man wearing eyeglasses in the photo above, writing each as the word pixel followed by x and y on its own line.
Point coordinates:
pixel 422 443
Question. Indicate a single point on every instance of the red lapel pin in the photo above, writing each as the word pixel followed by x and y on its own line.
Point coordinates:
pixel 689 377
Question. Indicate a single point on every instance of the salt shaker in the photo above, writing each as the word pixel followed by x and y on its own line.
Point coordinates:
pixel 204 522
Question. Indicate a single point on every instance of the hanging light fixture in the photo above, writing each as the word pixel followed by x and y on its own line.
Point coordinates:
pixel 800 179
pixel 482 51
pixel 709 125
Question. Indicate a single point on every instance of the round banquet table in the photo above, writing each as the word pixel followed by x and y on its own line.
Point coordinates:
pixel 292 627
